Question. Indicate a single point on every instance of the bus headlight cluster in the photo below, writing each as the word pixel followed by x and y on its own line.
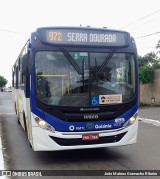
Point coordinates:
pixel 43 124
pixel 131 121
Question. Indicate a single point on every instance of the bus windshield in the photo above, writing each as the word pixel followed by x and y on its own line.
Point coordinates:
pixel 75 78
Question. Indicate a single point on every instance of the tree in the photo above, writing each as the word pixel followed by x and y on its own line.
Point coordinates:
pixel 3 81
pixel 141 61
pixel 146 74
pixel 147 65
pixel 158 46
pixel 148 59
pixel 157 63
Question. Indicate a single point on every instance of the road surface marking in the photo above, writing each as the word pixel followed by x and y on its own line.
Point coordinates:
pixel 150 121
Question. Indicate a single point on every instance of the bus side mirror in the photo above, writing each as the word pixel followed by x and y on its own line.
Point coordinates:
pixel 26 64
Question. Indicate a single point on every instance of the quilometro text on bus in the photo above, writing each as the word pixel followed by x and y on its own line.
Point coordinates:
pixel 76 88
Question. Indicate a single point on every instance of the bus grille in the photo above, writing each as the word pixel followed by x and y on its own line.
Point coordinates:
pixel 79 141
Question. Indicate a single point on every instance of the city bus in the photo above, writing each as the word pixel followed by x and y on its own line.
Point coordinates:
pixel 77 88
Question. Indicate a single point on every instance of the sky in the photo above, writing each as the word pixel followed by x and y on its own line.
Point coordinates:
pixel 18 18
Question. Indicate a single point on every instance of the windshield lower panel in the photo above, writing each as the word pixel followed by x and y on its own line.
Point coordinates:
pixel 84 78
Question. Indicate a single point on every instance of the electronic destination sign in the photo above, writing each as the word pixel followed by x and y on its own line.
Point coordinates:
pixel 89 37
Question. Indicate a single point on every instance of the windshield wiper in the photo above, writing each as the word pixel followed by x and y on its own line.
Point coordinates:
pixel 96 76
pixel 106 61
pixel 71 60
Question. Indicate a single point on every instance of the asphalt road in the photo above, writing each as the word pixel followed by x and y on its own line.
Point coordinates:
pixel 144 155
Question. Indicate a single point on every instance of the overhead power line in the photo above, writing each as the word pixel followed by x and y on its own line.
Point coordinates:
pixel 10 31
pixel 140 19
pixel 152 20
pixel 147 35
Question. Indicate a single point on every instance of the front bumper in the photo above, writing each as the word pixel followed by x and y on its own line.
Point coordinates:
pixel 49 141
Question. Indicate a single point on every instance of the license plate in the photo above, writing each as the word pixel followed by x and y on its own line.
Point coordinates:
pixel 90 136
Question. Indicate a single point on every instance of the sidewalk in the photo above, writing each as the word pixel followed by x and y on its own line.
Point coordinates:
pixel 150 113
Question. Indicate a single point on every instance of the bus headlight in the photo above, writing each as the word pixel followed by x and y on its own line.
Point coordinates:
pixel 43 124
pixel 131 121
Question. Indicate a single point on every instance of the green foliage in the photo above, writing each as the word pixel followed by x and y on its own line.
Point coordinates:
pixel 121 79
pixel 149 59
pixel 141 61
pixel 158 45
pixel 156 65
pixel 3 81
pixel 147 65
pixel 146 74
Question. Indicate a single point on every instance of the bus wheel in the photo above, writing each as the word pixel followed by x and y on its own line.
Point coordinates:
pixel 25 125
pixel 26 130
pixel 18 121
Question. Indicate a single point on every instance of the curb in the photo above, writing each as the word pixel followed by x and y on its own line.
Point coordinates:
pixel 1 157
pixel 1 160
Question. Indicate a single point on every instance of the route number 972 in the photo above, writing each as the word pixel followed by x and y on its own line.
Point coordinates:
pixel 55 36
